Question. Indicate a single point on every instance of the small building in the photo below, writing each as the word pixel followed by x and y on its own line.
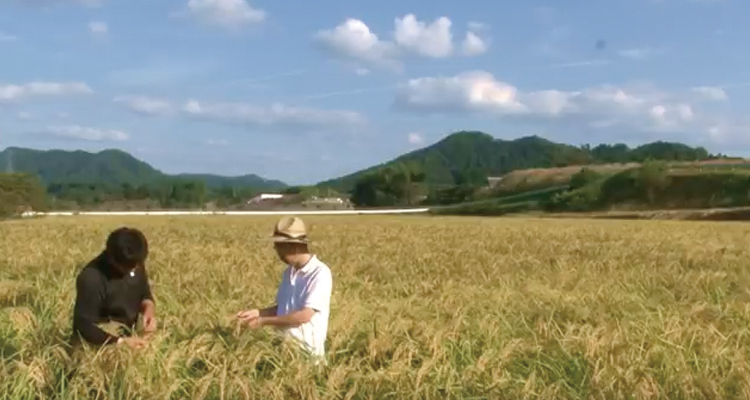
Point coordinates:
pixel 494 180
pixel 325 200
pixel 265 196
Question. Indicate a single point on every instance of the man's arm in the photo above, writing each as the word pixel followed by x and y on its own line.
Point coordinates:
pixel 317 297
pixel 89 299
pixel 290 320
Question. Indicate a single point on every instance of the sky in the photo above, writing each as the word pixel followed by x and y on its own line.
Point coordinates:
pixel 307 91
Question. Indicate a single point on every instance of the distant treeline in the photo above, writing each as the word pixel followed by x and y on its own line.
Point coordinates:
pixel 654 186
pixel 20 191
pixel 167 193
pixel 471 155
pixel 407 183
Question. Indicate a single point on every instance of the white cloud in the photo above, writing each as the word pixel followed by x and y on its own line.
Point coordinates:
pixel 23 115
pixel 145 105
pixel 276 115
pixel 473 45
pixel 86 133
pixel 472 90
pixel 229 14
pixel 430 40
pixel 642 108
pixel 415 138
pixel 4 37
pixel 98 28
pixel 362 71
pixel 711 93
pixel 10 93
pixel 354 41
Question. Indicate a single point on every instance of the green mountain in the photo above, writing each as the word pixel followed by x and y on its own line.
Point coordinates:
pixel 110 166
pixel 471 151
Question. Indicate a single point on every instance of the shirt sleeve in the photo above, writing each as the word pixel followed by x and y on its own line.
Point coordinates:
pixel 89 299
pixel 318 293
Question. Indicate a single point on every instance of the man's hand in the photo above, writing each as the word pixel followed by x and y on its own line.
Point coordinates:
pixel 149 319
pixel 132 342
pixel 245 316
pixel 254 323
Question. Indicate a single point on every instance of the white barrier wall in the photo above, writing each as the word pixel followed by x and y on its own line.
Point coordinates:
pixel 289 212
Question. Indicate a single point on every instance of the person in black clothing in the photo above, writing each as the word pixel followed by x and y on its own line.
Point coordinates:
pixel 114 287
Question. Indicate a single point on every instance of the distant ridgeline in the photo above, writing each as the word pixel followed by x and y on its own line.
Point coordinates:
pixel 115 179
pixel 526 173
pixel 458 169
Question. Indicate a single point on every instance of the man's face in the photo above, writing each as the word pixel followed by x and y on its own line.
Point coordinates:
pixel 287 251
pixel 282 250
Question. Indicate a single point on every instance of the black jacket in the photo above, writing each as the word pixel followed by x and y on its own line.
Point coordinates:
pixel 105 295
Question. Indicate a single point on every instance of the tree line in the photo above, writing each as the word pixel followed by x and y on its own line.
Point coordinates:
pixel 21 191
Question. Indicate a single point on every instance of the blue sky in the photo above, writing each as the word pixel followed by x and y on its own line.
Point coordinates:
pixel 301 92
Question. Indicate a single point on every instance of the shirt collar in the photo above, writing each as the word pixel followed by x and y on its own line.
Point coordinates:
pixel 308 265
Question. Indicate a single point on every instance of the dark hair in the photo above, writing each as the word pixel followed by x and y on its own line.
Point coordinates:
pixel 127 247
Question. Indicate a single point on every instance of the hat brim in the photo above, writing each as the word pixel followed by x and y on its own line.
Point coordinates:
pixel 285 239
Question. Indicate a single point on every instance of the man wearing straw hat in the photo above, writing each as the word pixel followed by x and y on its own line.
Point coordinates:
pixel 303 299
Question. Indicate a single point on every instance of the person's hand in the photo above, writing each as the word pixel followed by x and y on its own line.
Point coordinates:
pixel 149 322
pixel 132 342
pixel 245 316
pixel 254 323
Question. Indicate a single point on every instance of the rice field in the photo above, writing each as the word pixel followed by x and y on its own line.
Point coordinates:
pixel 422 308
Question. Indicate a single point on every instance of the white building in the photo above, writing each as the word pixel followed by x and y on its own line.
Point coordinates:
pixel 265 196
pixel 494 180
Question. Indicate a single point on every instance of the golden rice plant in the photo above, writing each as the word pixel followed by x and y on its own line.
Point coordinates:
pixel 423 308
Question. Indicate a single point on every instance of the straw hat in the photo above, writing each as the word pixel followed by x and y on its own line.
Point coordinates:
pixel 290 230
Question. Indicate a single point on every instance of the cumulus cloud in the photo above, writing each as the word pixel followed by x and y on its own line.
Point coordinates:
pixel 276 115
pixel 415 138
pixel 473 45
pixel 229 14
pixel 145 105
pixel 426 39
pixel 10 93
pixel 643 108
pixel 354 41
pixel 87 133
pixel 98 28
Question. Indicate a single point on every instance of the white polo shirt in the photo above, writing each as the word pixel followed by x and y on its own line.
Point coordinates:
pixel 310 286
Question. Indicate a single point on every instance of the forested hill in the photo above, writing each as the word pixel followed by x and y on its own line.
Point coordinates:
pixel 109 166
pixel 468 152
